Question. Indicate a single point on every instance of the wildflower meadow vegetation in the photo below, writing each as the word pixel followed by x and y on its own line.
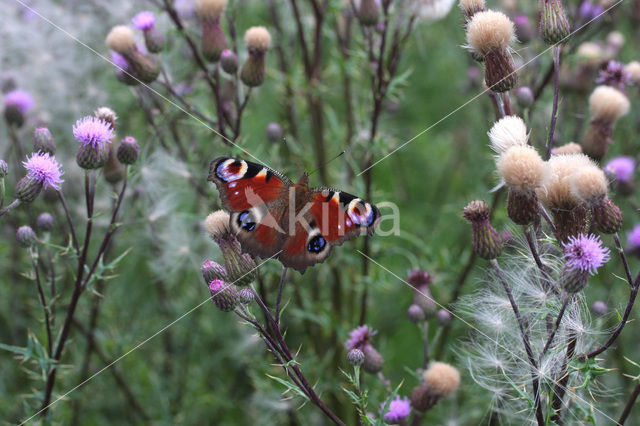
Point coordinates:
pixel 352 212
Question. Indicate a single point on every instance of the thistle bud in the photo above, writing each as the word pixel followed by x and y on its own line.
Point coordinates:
pixel 4 168
pixel 258 41
pixel 599 308
pixel 424 300
pixel 246 296
pixel 607 217
pixel 554 25
pixel 25 236
pixel 573 280
pixel 524 29
pixel 355 357
pixel 128 150
pixel 443 317
pixel 113 170
pixel 45 222
pixel 274 132
pixel 91 157
pixel 43 141
pixel 28 188
pixel 229 61
pixel 373 361
pixel 368 12
pixel 224 295
pixel 121 40
pixel 145 21
pixel 487 242
pixel 212 271
pixel 524 97
pixel 415 314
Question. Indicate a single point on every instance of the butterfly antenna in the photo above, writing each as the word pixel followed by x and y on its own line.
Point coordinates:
pixel 325 164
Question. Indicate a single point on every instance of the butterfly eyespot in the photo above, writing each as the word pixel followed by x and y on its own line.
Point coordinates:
pixel 231 170
pixel 246 221
pixel 316 244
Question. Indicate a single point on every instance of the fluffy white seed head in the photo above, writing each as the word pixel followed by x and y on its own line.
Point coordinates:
pixel 257 38
pixel 490 30
pixel 471 6
pixel 615 39
pixel 633 69
pixel 121 39
pixel 210 9
pixel 217 224
pixel 555 190
pixel 589 51
pixel 589 184
pixel 441 379
pixel 521 167
pixel 507 132
pixel 608 104
pixel 568 148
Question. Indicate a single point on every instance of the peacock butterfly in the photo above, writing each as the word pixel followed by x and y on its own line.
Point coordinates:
pixel 274 217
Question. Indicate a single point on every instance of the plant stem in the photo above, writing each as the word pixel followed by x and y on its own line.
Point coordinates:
pixel 567 298
pixel 72 228
pixel 623 257
pixel 629 405
pixel 13 205
pixel 283 276
pixel 45 308
pixel 556 87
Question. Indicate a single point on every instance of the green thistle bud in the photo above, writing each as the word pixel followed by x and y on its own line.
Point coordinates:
pixel 607 217
pixel 224 295
pixel 25 236
pixel 554 25
pixel 229 61
pixel 90 157
pixel 43 141
pixel 143 67
pixel 28 188
pixel 487 243
pixel 355 357
pixel 253 70
pixel 153 40
pixel 128 150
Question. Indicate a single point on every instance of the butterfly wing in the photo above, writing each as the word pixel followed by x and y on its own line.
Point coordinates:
pixel 256 198
pixel 331 218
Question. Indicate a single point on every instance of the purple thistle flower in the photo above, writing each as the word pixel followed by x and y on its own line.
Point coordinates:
pixel 585 253
pixel 614 75
pixel 92 131
pixel 399 409
pixel 45 169
pixel 622 168
pixel 119 61
pixel 633 238
pixel 589 11
pixel 20 99
pixel 144 20
pixel 417 277
pixel 359 337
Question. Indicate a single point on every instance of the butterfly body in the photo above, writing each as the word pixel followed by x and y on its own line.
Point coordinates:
pixel 274 217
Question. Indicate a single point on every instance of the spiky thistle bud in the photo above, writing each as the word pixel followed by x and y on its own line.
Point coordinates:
pixel 490 34
pixel 554 25
pixel 621 170
pixel 607 105
pixel 246 296
pixel 212 271
pixel 25 236
pixel 128 150
pixel 45 222
pixel 93 135
pixel 524 97
pixel 373 361
pixel 121 40
pixel 355 357
pixel 487 242
pixel 258 41
pixel 17 103
pixel 443 317
pixel 224 295
pixel 43 141
pixel 229 61
pixel 368 12
pixel 240 267
pixel 153 40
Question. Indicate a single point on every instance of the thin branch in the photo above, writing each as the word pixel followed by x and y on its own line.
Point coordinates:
pixel 556 87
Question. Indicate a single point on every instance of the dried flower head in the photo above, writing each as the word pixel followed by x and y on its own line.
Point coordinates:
pixel 585 253
pixel 622 168
pixel 521 167
pixel 490 30
pixel 210 9
pixel 441 379
pixel 144 20
pixel 121 39
pixel 471 7
pixel 217 224
pixel 633 71
pixel 608 104
pixel 359 337
pixel 19 99
pixel 589 184
pixel 399 409
pixel 418 278
pixel 257 39
pixel 615 39
pixel 507 132
pixel 568 148
pixel 476 211
pixel 93 131
pixel 106 114
pixel 555 191
pixel 44 169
